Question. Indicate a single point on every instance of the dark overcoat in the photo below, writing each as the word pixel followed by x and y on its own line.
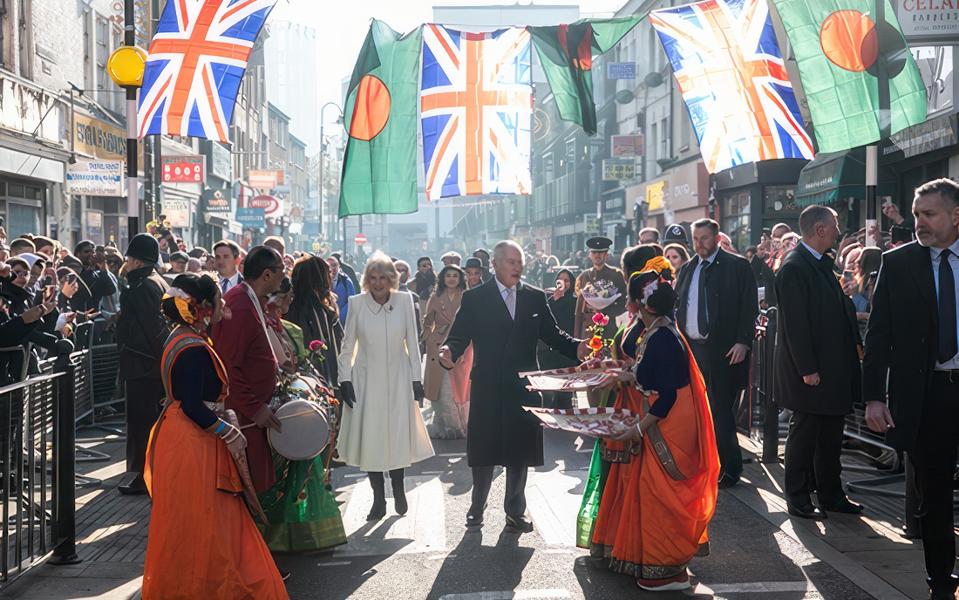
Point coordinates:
pixel 733 304
pixel 817 333
pixel 901 340
pixel 500 432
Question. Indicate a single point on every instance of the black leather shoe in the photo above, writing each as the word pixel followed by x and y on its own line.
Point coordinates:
pixel 945 591
pixel 520 523
pixel 807 511
pixel 727 481
pixel 845 507
pixel 474 520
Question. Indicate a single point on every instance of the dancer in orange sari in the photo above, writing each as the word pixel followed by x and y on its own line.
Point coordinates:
pixel 671 486
pixel 202 540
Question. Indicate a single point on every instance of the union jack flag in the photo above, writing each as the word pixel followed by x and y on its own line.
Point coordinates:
pixel 731 73
pixel 197 60
pixel 476 105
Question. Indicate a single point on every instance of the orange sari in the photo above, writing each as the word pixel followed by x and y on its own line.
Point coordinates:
pixel 202 541
pixel 663 520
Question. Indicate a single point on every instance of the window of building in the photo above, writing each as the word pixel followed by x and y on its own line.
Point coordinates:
pixel 734 221
pixel 101 54
pixel 664 138
pixel 653 137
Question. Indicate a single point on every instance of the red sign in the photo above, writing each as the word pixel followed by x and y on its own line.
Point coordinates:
pixel 360 239
pixel 269 204
pixel 182 169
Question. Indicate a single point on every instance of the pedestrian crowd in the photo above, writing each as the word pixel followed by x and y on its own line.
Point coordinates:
pixel 250 375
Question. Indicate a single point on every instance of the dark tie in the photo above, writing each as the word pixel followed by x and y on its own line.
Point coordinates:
pixel 224 284
pixel 702 315
pixel 948 344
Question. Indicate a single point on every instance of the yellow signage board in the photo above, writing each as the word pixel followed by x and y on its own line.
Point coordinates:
pixel 654 195
pixel 99 139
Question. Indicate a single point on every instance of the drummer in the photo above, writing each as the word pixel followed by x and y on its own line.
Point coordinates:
pixel 303 515
pixel 601 274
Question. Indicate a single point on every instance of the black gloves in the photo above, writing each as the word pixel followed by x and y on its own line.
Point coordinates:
pixel 418 393
pixel 347 395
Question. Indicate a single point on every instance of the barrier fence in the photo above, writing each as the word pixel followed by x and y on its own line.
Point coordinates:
pixel 39 418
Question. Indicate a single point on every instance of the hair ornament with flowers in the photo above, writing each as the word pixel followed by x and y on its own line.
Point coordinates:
pixel 188 308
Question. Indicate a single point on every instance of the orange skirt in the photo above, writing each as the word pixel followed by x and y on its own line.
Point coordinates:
pixel 606 524
pixel 202 540
pixel 663 522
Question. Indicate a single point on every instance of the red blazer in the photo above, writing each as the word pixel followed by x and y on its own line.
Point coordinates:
pixel 246 353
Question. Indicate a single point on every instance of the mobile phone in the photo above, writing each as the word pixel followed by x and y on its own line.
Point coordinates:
pixel 847 276
pixel 47 281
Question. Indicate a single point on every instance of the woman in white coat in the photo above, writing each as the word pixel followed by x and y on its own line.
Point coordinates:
pixel 381 382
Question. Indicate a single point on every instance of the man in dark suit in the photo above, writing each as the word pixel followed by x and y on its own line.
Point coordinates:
pixel 817 367
pixel 504 319
pixel 717 311
pixel 911 342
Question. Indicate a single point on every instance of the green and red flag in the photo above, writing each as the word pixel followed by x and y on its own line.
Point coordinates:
pixel 566 54
pixel 837 44
pixel 379 166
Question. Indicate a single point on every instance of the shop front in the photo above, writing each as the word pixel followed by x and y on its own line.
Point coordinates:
pixel 99 215
pixel 756 196
pixel 29 186
pixel 678 196
pixel 838 180
pixel 921 153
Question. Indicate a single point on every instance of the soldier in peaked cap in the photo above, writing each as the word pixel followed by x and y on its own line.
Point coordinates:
pixel 598 248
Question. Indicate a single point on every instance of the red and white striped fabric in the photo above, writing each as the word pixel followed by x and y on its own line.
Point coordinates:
pixel 584 377
pixel 590 422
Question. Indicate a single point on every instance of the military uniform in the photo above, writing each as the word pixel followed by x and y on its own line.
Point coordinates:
pixel 584 312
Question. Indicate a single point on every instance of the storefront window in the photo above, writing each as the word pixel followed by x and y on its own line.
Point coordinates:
pixel 735 218
pixel 22 203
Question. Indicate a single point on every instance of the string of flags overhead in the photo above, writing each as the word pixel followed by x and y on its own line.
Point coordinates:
pixel 468 95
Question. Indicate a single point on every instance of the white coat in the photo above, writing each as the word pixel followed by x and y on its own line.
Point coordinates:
pixel 380 355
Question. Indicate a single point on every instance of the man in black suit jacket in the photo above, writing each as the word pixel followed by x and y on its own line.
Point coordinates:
pixel 717 311
pixel 817 367
pixel 504 319
pixel 911 342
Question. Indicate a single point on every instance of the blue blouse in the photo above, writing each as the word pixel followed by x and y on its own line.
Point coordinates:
pixel 194 381
pixel 664 369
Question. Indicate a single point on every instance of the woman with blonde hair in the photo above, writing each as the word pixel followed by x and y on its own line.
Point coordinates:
pixel 381 383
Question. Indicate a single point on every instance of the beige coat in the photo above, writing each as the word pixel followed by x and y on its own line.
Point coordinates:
pixel 437 320
pixel 381 357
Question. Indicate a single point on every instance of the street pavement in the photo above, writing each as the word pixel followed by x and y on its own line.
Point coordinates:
pixel 430 554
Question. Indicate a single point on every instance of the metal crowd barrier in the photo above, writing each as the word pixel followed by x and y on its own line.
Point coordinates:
pixel 758 415
pixel 37 468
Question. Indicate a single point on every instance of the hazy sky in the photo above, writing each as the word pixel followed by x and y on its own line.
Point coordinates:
pixel 341 26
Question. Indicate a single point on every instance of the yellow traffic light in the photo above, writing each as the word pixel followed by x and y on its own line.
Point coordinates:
pixel 126 65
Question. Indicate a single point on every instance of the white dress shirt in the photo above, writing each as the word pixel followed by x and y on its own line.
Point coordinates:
pixel 936 254
pixel 231 282
pixel 507 298
pixel 816 255
pixel 692 304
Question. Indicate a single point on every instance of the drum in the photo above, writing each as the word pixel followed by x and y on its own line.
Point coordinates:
pixel 306 430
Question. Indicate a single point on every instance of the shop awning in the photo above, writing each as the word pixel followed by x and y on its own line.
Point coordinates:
pixel 838 176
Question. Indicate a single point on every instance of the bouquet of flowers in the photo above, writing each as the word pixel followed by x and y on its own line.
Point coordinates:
pixel 601 347
pixel 600 294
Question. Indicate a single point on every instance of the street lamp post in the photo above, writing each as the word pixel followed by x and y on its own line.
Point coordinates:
pixel 331 228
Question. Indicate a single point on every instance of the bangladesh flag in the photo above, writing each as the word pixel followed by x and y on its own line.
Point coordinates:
pixel 566 53
pixel 837 45
pixel 379 166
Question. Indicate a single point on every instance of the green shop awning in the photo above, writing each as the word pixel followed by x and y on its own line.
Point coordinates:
pixel 837 176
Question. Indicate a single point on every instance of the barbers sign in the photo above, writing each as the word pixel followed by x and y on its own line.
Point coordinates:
pixel 929 21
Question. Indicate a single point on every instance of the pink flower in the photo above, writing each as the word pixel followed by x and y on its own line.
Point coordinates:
pixel 317 345
pixel 600 319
